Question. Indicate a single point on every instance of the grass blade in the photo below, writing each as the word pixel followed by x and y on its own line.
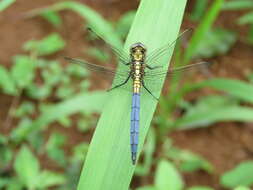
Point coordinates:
pixel 5 4
pixel 108 164
pixel 202 29
pixel 236 88
pixel 236 5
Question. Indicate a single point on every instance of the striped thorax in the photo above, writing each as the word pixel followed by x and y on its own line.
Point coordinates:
pixel 137 53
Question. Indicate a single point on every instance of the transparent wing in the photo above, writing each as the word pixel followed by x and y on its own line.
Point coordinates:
pixel 121 55
pixel 118 76
pixel 161 73
pixel 158 53
pixel 152 79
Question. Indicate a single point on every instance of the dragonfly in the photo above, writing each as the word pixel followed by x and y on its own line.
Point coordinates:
pixel 137 67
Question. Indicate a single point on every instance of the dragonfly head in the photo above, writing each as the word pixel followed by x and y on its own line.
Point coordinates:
pixel 138 52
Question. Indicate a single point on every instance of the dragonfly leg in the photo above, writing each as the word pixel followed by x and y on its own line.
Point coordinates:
pixel 152 68
pixel 143 84
pixel 119 85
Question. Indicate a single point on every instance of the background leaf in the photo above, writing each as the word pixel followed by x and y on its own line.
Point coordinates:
pixel 242 188
pixel 213 109
pixel 217 42
pixel 237 4
pixel 7 83
pixel 202 29
pixel 23 71
pixel 47 179
pixel 200 188
pixel 27 167
pixel 242 91
pixel 47 46
pixel 5 4
pixel 198 10
pixel 167 177
pixel 239 176
pixel 52 17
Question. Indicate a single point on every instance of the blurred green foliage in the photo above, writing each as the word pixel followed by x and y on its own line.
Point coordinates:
pixel 238 176
pixel 5 3
pixel 247 18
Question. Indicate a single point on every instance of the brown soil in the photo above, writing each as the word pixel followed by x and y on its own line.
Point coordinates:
pixel 223 144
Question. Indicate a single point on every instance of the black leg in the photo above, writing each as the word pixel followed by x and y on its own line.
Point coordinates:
pixel 143 84
pixel 120 84
pixel 152 68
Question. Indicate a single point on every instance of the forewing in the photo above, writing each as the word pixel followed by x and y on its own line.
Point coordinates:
pixel 118 76
pixel 155 55
pixel 152 78
pixel 122 56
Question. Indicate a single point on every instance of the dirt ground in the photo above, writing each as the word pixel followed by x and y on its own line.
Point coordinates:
pixel 223 144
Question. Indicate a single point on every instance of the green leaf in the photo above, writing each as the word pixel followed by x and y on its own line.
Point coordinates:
pixel 5 157
pixel 47 179
pixel 242 188
pixel 146 188
pixel 64 92
pixel 237 5
pixel 7 83
pixel 47 46
pixel 36 140
pixel 239 176
pixel 88 102
pixel 202 29
pixel 148 151
pixel 27 167
pixel 250 40
pixel 22 131
pixel 199 10
pixel 3 139
pixel 213 109
pixel 4 182
pixel 200 188
pixel 246 19
pixel 53 74
pixel 10 183
pixel 75 71
pixel 98 54
pixel 54 148
pixel 242 91
pixel 167 177
pixel 156 24
pixel 217 42
pixel 79 152
pixel 26 108
pixel 38 92
pixel 5 4
pixel 124 23
pixel 23 71
pixel 14 184
pixel 52 17
pixel 188 161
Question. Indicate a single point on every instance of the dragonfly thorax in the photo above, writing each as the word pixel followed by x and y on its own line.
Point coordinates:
pixel 138 52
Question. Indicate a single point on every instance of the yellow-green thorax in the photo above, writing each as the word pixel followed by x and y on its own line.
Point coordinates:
pixel 137 53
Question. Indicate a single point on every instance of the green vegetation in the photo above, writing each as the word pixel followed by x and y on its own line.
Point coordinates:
pixel 45 93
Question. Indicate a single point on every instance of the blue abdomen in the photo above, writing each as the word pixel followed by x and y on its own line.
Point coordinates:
pixel 135 117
